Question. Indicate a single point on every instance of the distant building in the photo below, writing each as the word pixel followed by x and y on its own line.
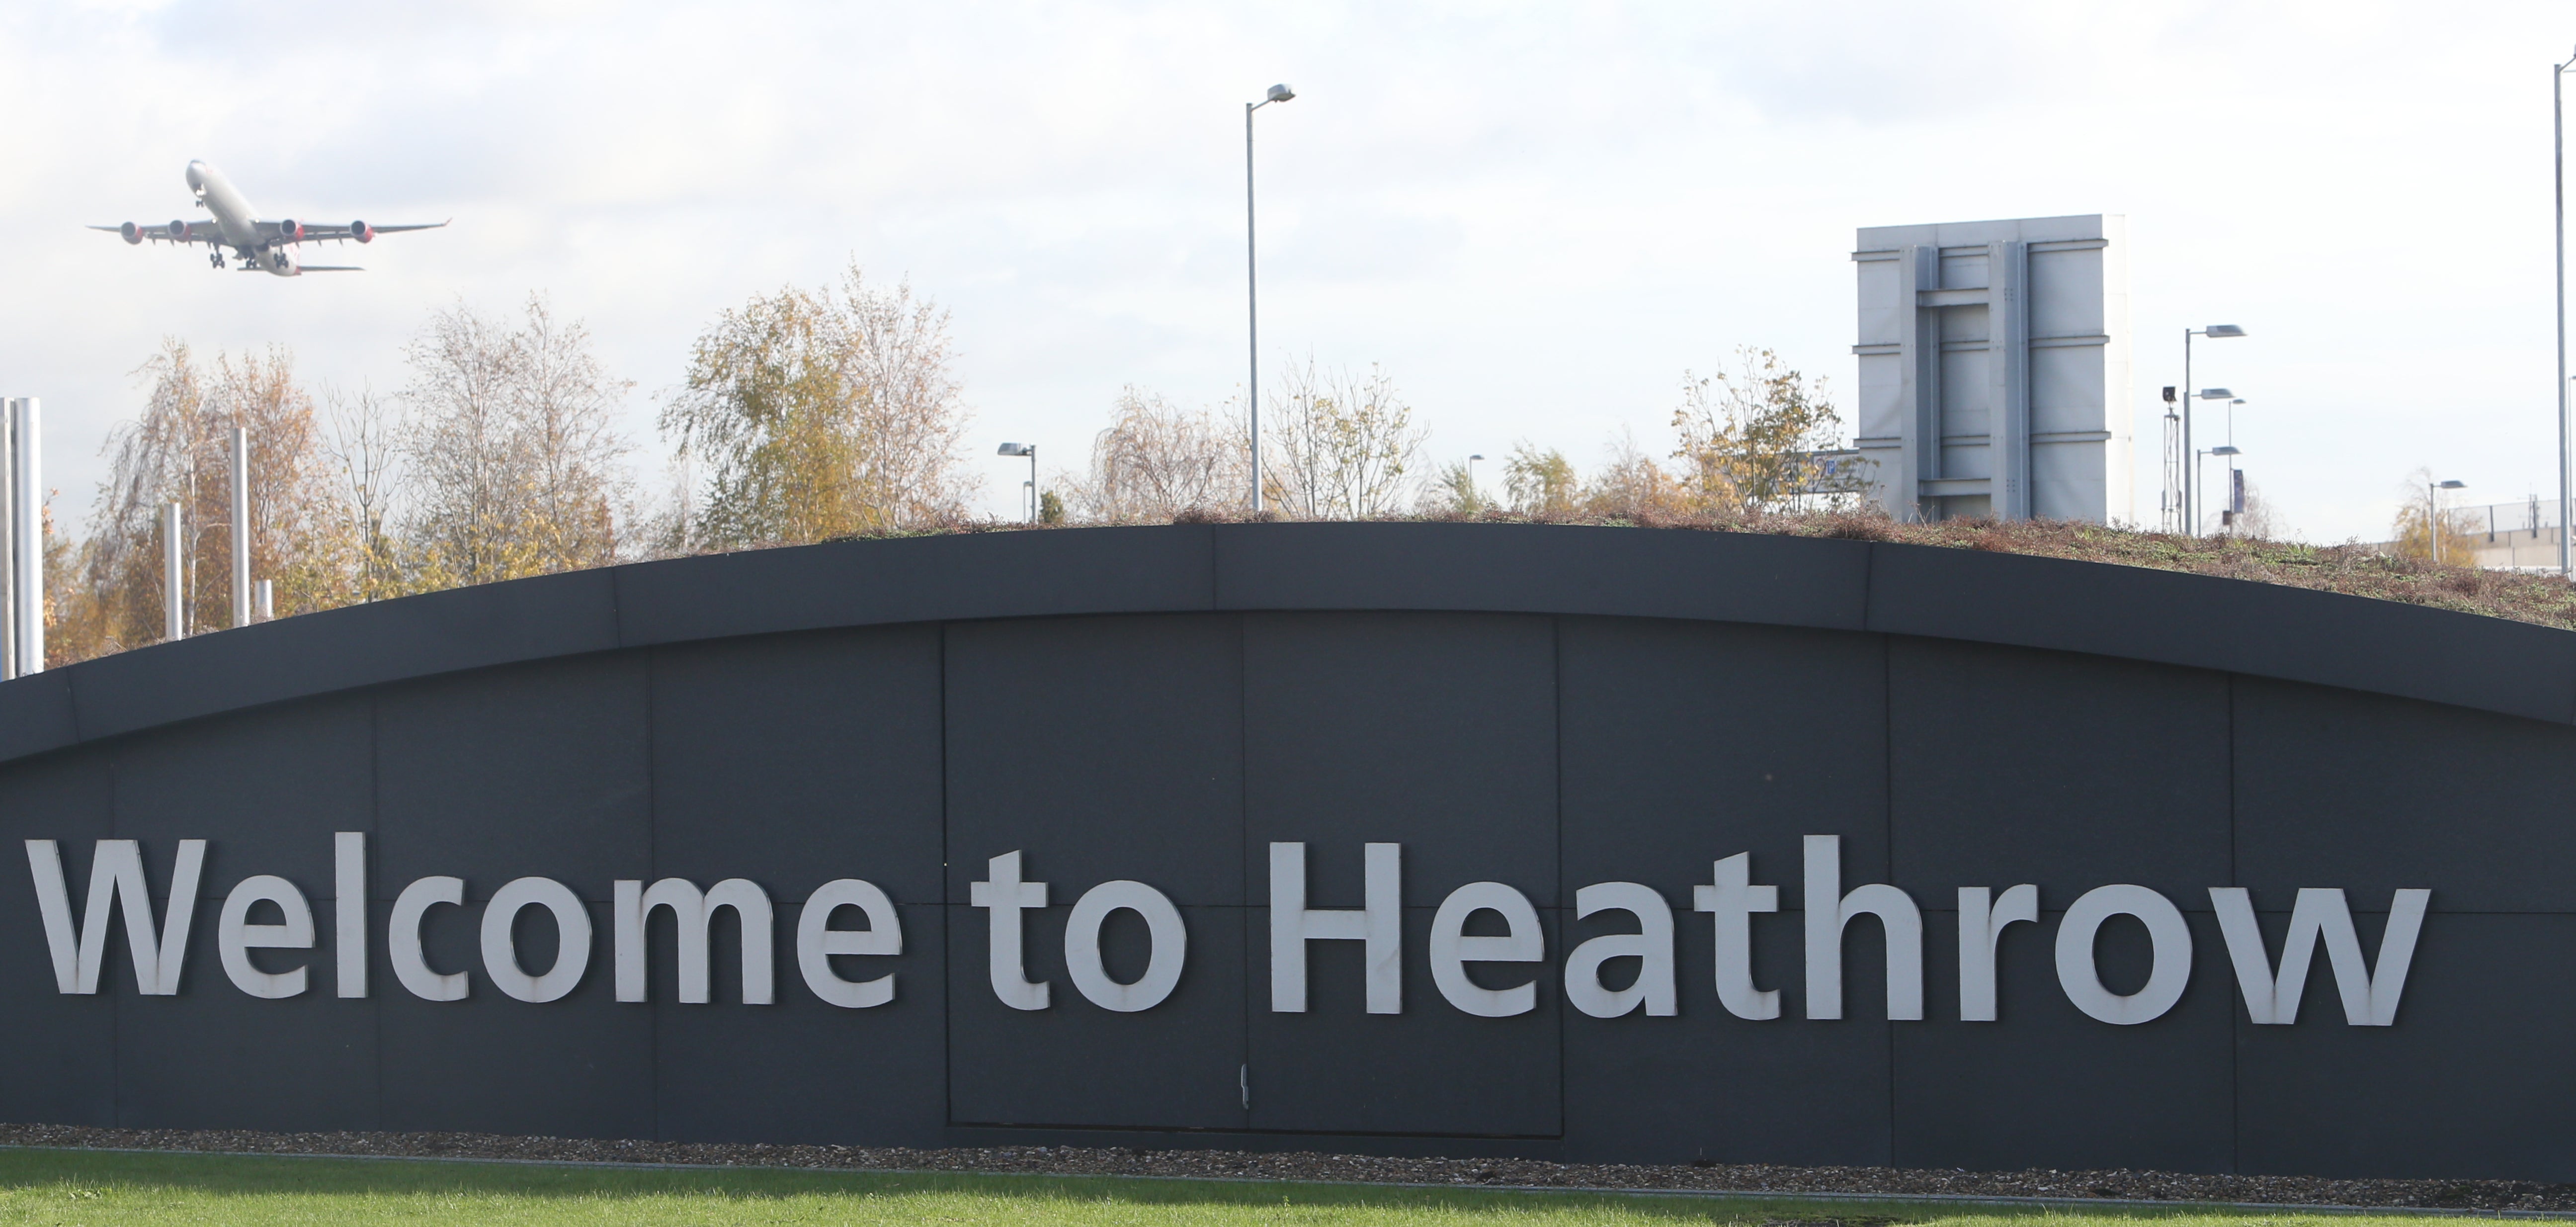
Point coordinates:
pixel 1994 368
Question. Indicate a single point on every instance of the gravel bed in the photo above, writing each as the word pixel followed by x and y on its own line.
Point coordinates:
pixel 1361 1169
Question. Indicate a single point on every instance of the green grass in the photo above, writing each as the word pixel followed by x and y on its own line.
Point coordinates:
pixel 78 1187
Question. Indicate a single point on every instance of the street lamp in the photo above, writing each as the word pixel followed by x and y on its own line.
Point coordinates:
pixel 2203 394
pixel 2433 508
pixel 1252 291
pixel 1472 500
pixel 2191 489
pixel 2558 169
pixel 1029 450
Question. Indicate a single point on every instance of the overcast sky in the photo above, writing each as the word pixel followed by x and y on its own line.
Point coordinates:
pixel 1536 219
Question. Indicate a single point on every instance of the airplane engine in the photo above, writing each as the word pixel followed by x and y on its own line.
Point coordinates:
pixel 179 231
pixel 133 233
pixel 362 232
pixel 290 231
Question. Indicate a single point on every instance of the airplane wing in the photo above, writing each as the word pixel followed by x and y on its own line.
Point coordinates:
pixel 205 233
pixel 326 233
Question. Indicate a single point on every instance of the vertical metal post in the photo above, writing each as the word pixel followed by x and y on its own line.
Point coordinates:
pixel 264 605
pixel 27 528
pixel 241 526
pixel 1251 310
pixel 2191 459
pixel 8 539
pixel 2558 171
pixel 174 581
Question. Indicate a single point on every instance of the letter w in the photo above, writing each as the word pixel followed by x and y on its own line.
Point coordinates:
pixel 2369 997
pixel 116 872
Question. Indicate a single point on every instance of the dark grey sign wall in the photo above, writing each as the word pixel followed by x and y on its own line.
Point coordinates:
pixel 1547 708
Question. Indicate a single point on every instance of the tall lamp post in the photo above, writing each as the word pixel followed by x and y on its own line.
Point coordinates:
pixel 2433 512
pixel 1473 503
pixel 2558 171
pixel 2191 483
pixel 1029 450
pixel 1252 290
pixel 2203 394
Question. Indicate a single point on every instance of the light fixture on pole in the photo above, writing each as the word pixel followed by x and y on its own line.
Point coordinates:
pixel 2203 394
pixel 1473 503
pixel 1029 450
pixel 1252 292
pixel 2433 513
pixel 2191 482
pixel 2558 172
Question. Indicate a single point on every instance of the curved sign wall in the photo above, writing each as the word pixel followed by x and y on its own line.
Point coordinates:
pixel 1602 844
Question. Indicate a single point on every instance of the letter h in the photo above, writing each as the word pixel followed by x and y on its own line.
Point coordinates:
pixel 1379 924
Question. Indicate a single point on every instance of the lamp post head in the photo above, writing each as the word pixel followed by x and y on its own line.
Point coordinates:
pixel 2454 485
pixel 2228 449
pixel 2222 330
pixel 1475 457
pixel 2216 394
pixel 1017 449
pixel 1280 93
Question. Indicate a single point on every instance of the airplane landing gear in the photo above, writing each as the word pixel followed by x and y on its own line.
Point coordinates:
pixel 215 258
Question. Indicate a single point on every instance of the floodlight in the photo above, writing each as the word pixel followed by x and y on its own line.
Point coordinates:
pixel 2215 394
pixel 2222 330
pixel 1016 449
pixel 1280 93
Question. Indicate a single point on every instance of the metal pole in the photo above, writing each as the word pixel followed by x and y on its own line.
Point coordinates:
pixel 1033 483
pixel 8 569
pixel 2433 518
pixel 2558 170
pixel 174 582
pixel 241 526
pixel 2191 470
pixel 1251 309
pixel 27 484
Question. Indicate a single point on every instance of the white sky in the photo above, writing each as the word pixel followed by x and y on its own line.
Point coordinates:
pixel 1535 217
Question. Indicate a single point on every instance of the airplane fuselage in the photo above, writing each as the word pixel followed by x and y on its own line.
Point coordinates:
pixel 239 224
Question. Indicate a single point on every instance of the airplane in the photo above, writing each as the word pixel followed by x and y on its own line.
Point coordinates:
pixel 263 246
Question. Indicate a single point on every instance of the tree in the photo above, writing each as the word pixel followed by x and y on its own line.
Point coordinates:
pixel 1541 483
pixel 1157 461
pixel 2460 541
pixel 1339 446
pixel 1452 491
pixel 512 463
pixel 818 414
pixel 1749 439
pixel 1632 486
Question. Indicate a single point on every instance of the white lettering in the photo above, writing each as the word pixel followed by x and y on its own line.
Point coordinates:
pixel 1982 919
pixel 1452 949
pixel 1005 895
pixel 692 912
pixel 572 939
pixel 2082 981
pixel 116 872
pixel 1651 945
pixel 402 939
pixel 1378 925
pixel 1734 899
pixel 1829 911
pixel 2369 998
pixel 236 937
pixel 817 941
pixel 349 910
pixel 1168 946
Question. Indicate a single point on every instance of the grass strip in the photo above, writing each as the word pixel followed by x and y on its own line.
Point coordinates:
pixel 83 1187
